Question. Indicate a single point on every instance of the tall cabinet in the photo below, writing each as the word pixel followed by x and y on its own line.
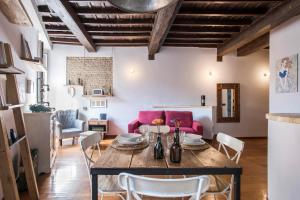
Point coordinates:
pixel 41 136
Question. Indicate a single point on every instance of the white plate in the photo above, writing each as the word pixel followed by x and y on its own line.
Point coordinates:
pixel 130 139
pixel 193 139
pixel 197 143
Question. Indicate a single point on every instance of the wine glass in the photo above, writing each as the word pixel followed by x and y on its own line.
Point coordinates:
pixel 170 140
pixel 181 136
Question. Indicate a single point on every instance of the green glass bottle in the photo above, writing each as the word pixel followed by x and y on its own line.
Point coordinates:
pixel 175 149
pixel 158 149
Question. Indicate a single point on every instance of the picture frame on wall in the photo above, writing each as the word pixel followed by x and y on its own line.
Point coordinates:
pixel 98 103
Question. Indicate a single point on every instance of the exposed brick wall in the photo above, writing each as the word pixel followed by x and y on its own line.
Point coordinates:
pixel 96 72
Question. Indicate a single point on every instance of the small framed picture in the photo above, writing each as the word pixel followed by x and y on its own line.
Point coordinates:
pixel 98 103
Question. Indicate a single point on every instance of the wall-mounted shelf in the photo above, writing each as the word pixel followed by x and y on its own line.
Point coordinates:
pixel 7 107
pixel 93 96
pixel 74 85
pixel 11 70
pixel 35 64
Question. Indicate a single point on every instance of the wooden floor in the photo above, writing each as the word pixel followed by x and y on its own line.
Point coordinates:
pixel 69 178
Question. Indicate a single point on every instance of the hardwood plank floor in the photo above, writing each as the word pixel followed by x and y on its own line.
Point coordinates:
pixel 69 178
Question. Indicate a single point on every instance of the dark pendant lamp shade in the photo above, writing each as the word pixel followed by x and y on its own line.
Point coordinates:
pixel 142 6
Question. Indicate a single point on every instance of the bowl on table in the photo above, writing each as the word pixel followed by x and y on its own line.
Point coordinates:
pixel 193 139
pixel 130 139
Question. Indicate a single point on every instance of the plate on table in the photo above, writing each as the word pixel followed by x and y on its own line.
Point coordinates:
pixel 130 139
pixel 193 139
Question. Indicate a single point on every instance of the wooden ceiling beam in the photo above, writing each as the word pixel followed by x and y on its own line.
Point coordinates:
pixel 163 22
pixel 202 41
pixel 191 45
pixel 65 12
pixel 215 21
pixel 102 28
pixel 120 21
pixel 233 29
pixel 272 19
pixel 232 1
pixel 255 45
pixel 191 36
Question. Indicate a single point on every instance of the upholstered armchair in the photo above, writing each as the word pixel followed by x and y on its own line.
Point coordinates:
pixel 67 125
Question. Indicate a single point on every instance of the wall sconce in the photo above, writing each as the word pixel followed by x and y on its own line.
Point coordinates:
pixel 266 74
pixel 210 73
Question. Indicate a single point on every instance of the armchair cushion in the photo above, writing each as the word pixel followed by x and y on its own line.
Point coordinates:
pixel 67 118
pixel 146 117
pixel 186 118
pixel 71 132
pixel 79 124
pixel 132 126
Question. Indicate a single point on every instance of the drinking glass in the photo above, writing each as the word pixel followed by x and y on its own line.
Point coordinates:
pixel 181 136
pixel 170 140
pixel 151 136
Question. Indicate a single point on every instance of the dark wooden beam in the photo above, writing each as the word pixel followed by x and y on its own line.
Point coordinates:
pixel 163 22
pixel 103 28
pixel 257 44
pixel 216 11
pixel 66 13
pixel 233 29
pixel 232 1
pixel 191 45
pixel 187 10
pixel 119 21
pixel 214 21
pixel 272 19
pixel 195 35
pixel 188 41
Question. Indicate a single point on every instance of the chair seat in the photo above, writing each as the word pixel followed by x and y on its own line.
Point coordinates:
pixel 218 183
pixel 109 184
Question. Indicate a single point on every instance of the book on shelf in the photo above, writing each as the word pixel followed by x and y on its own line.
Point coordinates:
pixel 5 55
pixel 25 50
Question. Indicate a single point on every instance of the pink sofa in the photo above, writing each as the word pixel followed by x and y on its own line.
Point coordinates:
pixel 188 125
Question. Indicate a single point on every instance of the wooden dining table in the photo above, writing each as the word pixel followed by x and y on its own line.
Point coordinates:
pixel 141 162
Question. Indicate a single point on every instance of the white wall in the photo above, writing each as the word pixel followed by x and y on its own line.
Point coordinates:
pixel 11 34
pixel 283 140
pixel 178 76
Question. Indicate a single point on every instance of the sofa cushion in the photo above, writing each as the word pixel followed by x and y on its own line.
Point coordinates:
pixel 146 117
pixel 186 118
pixel 185 129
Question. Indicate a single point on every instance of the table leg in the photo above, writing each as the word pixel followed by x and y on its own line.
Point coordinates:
pixel 237 187
pixel 94 187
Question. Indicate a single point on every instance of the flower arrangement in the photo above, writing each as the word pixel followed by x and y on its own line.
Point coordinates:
pixel 176 122
pixel 158 122
pixel 39 108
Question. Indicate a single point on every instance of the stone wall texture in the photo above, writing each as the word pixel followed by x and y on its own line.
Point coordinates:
pixel 94 73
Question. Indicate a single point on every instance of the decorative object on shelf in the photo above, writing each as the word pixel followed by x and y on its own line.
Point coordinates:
pixel 6 60
pixel 97 92
pixel 98 103
pixel 286 74
pixel 103 116
pixel 39 108
pixel 175 149
pixel 142 6
pixel 29 86
pixel 12 135
pixel 71 91
pixel 93 72
pixel 158 148
pixel 202 100
pixel 25 50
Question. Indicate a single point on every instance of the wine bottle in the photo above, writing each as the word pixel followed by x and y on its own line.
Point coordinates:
pixel 175 150
pixel 158 149
pixel 12 135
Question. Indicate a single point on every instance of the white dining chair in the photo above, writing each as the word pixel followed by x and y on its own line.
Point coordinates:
pixel 136 186
pixel 107 185
pixel 226 141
